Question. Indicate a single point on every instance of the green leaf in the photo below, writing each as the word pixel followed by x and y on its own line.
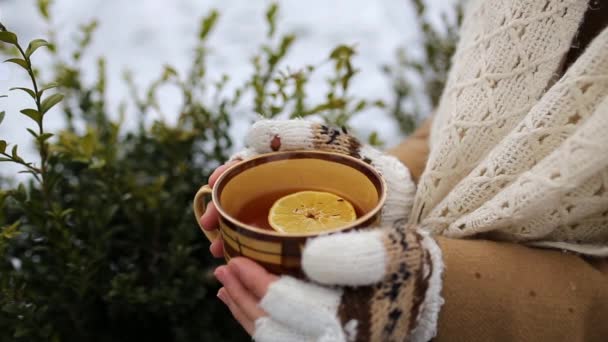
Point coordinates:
pixel 32 132
pixel 271 18
pixel 50 101
pixel 32 113
pixel 47 87
pixel 9 232
pixel 34 45
pixel 342 51
pixel 360 106
pixel 8 37
pixel 208 24
pixel 20 62
pixel 43 7
pixel 45 136
pixel 379 104
pixel 98 164
pixel 2 146
pixel 168 72
pixel 329 105
pixel 67 212
pixel 29 91
pixel 374 140
pixel 2 113
pixel 14 153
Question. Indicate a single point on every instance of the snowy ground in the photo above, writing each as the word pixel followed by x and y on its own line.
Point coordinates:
pixel 144 35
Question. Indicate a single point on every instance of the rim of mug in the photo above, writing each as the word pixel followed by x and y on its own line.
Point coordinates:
pixel 239 167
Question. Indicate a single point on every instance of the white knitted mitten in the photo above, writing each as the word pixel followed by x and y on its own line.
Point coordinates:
pixel 398 274
pixel 288 135
pixel 381 284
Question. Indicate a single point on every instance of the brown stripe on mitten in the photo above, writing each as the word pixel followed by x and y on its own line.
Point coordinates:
pixel 330 139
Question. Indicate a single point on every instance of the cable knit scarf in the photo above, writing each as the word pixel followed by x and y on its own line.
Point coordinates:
pixel 517 154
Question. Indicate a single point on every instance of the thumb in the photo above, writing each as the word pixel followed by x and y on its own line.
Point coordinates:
pixel 361 257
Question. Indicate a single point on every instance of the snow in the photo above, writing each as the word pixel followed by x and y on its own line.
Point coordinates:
pixel 144 35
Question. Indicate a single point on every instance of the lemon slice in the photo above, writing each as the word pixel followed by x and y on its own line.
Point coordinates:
pixel 310 211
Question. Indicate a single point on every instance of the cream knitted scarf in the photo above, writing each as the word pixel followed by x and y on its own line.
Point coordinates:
pixel 515 153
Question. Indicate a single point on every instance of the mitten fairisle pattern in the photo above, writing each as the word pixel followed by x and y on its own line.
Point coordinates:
pixel 399 302
pixel 388 310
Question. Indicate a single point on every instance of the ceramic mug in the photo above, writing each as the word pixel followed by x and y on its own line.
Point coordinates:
pixel 277 172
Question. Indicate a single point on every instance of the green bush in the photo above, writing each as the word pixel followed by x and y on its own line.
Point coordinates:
pixel 100 243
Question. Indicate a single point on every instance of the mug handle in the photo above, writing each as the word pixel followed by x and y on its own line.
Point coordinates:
pixel 199 209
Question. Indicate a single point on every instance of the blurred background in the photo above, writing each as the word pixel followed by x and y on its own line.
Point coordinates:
pixel 145 98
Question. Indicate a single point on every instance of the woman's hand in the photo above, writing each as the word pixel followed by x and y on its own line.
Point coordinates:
pixel 395 269
pixel 245 284
pixel 375 285
pixel 210 219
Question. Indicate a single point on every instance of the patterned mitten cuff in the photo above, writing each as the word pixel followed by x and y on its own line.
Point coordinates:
pixel 391 282
pixel 288 135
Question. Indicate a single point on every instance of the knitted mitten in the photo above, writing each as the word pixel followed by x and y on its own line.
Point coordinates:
pixel 288 135
pixel 398 274
pixel 380 284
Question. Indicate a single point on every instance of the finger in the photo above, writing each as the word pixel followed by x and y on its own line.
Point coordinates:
pixel 354 258
pixel 269 330
pixel 210 218
pixel 253 276
pixel 237 313
pixel 217 247
pixel 244 154
pixel 217 172
pixel 240 295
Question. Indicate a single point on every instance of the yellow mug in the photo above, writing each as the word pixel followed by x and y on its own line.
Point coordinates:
pixel 277 172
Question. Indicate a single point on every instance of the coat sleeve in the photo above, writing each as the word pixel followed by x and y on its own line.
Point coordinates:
pixel 500 291
pixel 414 150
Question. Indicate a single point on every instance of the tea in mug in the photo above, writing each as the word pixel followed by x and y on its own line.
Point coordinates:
pixel 255 212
